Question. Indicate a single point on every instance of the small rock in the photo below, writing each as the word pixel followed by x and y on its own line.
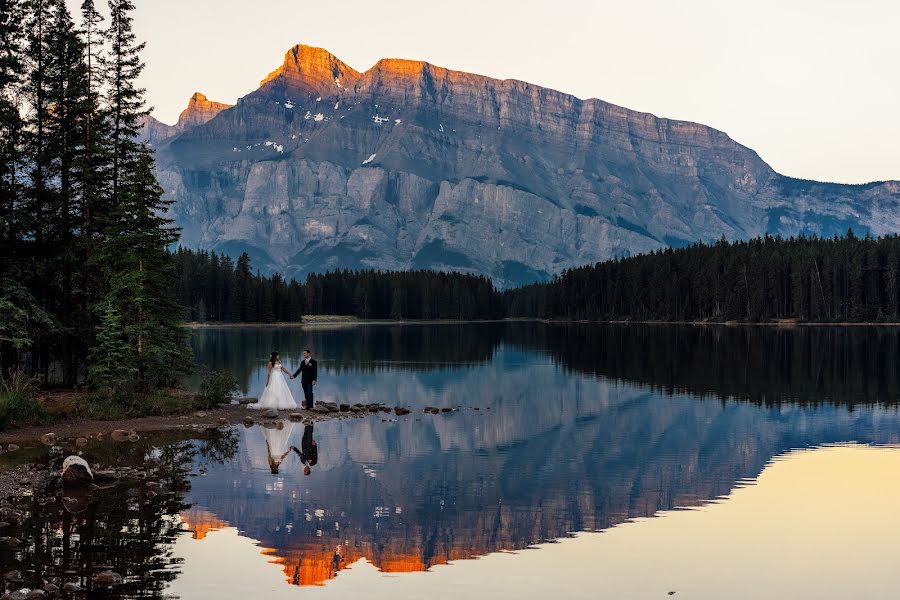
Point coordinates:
pixel 52 589
pixel 9 542
pixel 119 435
pixel 400 411
pixel 12 448
pixel 322 410
pixel 356 408
pixel 13 576
pixel 296 416
pixel 270 413
pixel 19 594
pixel 200 414
pixel 107 579
pixel 133 437
pixel 71 587
pixel 432 409
pixel 446 409
pixel 223 421
pixel 81 442
pixel 344 408
pixel 249 422
pixel 48 439
pixel 37 595
pixel 248 400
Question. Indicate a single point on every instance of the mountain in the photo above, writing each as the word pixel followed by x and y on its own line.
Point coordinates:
pixel 409 165
pixel 199 111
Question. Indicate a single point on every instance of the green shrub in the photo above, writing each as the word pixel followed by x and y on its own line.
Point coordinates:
pixel 166 402
pixel 103 406
pixel 216 387
pixel 18 402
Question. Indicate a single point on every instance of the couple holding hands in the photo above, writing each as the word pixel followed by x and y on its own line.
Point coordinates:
pixel 277 394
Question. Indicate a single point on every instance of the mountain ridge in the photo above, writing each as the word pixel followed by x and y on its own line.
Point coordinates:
pixel 410 165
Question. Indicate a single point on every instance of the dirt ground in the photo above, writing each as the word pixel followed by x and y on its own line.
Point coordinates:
pixel 90 429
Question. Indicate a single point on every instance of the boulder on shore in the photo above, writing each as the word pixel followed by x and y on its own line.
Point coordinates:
pixel 76 471
pixel 107 579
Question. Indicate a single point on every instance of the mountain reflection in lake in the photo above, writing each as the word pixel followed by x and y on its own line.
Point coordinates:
pixel 578 429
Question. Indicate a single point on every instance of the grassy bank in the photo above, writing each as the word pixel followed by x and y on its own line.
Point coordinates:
pixel 25 404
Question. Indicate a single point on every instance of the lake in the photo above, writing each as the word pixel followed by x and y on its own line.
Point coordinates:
pixel 579 461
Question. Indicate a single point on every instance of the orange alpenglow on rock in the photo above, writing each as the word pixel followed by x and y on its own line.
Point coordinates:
pixel 313 71
pixel 200 522
pixel 317 562
pixel 199 111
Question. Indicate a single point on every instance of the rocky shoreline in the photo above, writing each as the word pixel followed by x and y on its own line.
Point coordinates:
pixel 21 479
pixel 231 414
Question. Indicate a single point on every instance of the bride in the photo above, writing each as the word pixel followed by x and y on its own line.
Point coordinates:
pixel 277 394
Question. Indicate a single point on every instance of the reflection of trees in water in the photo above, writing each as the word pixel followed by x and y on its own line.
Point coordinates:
pixel 765 365
pixel 129 528
pixel 357 348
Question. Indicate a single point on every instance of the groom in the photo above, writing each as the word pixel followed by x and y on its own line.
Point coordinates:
pixel 309 369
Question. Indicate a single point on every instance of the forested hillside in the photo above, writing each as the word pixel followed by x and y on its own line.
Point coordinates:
pixel 841 279
pixel 213 288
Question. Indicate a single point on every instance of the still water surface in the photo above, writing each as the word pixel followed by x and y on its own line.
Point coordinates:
pixel 601 462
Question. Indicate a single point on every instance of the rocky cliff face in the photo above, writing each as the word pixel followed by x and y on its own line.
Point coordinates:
pixel 408 165
pixel 199 111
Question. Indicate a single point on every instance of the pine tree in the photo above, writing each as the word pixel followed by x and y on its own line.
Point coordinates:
pixel 70 108
pixel 96 156
pixel 111 362
pixel 140 273
pixel 125 100
pixel 13 314
pixel 11 126
pixel 132 254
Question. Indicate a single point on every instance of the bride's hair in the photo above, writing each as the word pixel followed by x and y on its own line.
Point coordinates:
pixel 274 358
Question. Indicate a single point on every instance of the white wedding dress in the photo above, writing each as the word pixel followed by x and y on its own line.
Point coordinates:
pixel 277 394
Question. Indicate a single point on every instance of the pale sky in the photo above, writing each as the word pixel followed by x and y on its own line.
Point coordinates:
pixel 811 85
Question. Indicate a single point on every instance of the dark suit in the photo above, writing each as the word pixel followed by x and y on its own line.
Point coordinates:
pixel 309 450
pixel 308 372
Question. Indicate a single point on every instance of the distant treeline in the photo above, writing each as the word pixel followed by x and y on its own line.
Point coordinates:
pixel 842 279
pixel 403 295
pixel 214 288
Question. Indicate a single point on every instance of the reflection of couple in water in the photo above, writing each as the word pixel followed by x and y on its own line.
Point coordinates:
pixel 277 439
